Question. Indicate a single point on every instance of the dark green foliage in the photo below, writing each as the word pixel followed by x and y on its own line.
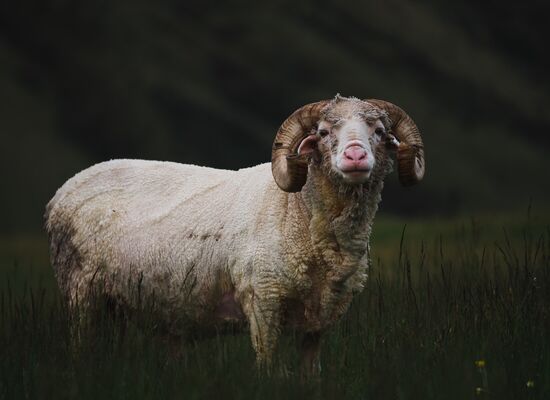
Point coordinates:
pixel 209 83
pixel 447 319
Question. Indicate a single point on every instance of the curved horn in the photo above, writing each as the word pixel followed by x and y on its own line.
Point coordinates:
pixel 288 167
pixel 410 153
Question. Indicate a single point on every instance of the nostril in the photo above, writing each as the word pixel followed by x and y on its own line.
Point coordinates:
pixel 355 153
pixel 348 155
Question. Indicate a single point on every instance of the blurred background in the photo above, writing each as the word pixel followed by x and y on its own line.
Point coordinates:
pixel 209 84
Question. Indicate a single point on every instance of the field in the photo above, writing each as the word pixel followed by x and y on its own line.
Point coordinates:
pixel 453 309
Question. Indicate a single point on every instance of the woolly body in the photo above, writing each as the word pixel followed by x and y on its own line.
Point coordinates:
pixel 210 246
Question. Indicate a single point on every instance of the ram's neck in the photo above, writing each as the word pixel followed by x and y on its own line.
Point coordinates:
pixel 340 218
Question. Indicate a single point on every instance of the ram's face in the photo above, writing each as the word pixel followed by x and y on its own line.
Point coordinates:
pixel 346 141
pixel 351 144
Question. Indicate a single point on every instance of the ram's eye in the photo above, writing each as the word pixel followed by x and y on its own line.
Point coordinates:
pixel 323 132
pixel 379 131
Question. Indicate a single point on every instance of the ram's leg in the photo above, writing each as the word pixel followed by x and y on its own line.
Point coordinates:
pixel 264 317
pixel 311 355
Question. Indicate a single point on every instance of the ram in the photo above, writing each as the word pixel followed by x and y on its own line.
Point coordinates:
pixel 274 246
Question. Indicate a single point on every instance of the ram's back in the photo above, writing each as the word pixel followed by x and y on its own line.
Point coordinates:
pixel 160 219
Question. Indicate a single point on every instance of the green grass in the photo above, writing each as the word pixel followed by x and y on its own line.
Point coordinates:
pixel 441 296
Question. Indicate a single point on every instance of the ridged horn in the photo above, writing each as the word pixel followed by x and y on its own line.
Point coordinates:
pixel 410 153
pixel 288 167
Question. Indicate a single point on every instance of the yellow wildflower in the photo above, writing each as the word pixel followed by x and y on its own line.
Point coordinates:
pixel 480 363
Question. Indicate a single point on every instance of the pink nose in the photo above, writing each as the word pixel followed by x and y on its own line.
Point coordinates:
pixel 355 154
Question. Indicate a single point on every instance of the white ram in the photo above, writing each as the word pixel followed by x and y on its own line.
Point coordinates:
pixel 276 245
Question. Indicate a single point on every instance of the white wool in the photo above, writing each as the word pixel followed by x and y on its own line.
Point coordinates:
pixel 196 238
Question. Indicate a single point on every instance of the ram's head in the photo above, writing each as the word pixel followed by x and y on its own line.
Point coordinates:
pixel 344 134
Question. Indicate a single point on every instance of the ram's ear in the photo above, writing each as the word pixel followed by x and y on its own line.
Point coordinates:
pixel 391 142
pixel 308 145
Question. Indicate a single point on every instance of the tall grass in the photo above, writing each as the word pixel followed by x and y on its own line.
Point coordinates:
pixel 453 319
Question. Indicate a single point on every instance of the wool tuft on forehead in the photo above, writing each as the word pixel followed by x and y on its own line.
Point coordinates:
pixel 343 108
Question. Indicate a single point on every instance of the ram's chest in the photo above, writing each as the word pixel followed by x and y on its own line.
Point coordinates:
pixel 319 300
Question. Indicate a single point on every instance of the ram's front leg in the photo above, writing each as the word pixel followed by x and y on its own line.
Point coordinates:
pixel 311 355
pixel 263 314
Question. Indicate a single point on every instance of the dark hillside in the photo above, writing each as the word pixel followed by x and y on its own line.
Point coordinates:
pixel 82 82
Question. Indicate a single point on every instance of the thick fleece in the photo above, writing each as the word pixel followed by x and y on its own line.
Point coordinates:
pixel 212 245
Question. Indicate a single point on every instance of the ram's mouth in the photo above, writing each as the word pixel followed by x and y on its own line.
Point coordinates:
pixel 355 176
pixel 350 170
